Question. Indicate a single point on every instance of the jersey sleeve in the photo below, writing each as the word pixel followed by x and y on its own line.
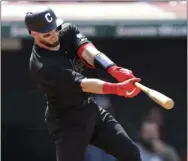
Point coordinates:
pixel 78 38
pixel 66 79
pixel 80 43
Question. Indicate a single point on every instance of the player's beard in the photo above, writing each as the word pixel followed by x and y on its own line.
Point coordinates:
pixel 50 45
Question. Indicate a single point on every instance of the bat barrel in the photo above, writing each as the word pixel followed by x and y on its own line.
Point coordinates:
pixel 156 96
pixel 169 104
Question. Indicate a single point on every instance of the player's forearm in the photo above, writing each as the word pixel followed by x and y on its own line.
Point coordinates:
pixel 97 59
pixel 92 86
pixel 94 57
pixel 89 53
pixel 99 87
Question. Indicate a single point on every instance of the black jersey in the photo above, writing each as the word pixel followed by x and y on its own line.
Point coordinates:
pixel 59 73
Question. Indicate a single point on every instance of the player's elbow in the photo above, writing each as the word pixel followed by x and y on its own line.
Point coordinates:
pixel 88 53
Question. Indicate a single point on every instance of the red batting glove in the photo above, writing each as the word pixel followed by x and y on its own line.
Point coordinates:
pixel 121 74
pixel 126 88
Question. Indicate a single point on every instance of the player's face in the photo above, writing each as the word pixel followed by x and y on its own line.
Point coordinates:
pixel 149 131
pixel 50 39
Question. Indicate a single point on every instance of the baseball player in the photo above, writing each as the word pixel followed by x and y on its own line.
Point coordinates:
pixel 60 55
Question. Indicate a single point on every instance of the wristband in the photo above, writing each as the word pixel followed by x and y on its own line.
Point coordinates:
pixel 102 61
pixel 110 88
pixel 113 68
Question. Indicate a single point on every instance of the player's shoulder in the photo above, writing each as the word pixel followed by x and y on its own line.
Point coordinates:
pixel 68 25
pixel 68 28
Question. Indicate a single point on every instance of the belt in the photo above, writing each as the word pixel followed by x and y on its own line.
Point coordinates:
pixel 89 100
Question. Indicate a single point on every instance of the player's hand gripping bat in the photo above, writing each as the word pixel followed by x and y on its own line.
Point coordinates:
pixel 156 96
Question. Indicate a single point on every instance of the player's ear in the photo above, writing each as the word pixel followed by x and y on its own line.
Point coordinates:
pixel 33 33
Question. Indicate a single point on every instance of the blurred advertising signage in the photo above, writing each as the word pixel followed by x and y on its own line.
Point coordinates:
pixel 17 30
pixel 151 31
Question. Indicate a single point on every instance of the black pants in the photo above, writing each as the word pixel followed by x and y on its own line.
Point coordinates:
pixel 75 129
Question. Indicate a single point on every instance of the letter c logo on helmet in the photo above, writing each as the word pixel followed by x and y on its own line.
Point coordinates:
pixel 48 17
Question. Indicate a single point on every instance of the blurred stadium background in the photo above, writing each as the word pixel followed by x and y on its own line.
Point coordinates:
pixel 146 37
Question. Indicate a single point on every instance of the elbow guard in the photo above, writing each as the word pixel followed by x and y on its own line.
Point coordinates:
pixel 102 61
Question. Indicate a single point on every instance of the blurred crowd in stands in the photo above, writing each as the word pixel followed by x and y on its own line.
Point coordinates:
pixel 149 138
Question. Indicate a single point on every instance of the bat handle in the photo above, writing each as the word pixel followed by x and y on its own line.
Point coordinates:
pixel 142 87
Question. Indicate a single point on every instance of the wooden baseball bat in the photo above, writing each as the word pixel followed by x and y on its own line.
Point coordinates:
pixel 156 96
